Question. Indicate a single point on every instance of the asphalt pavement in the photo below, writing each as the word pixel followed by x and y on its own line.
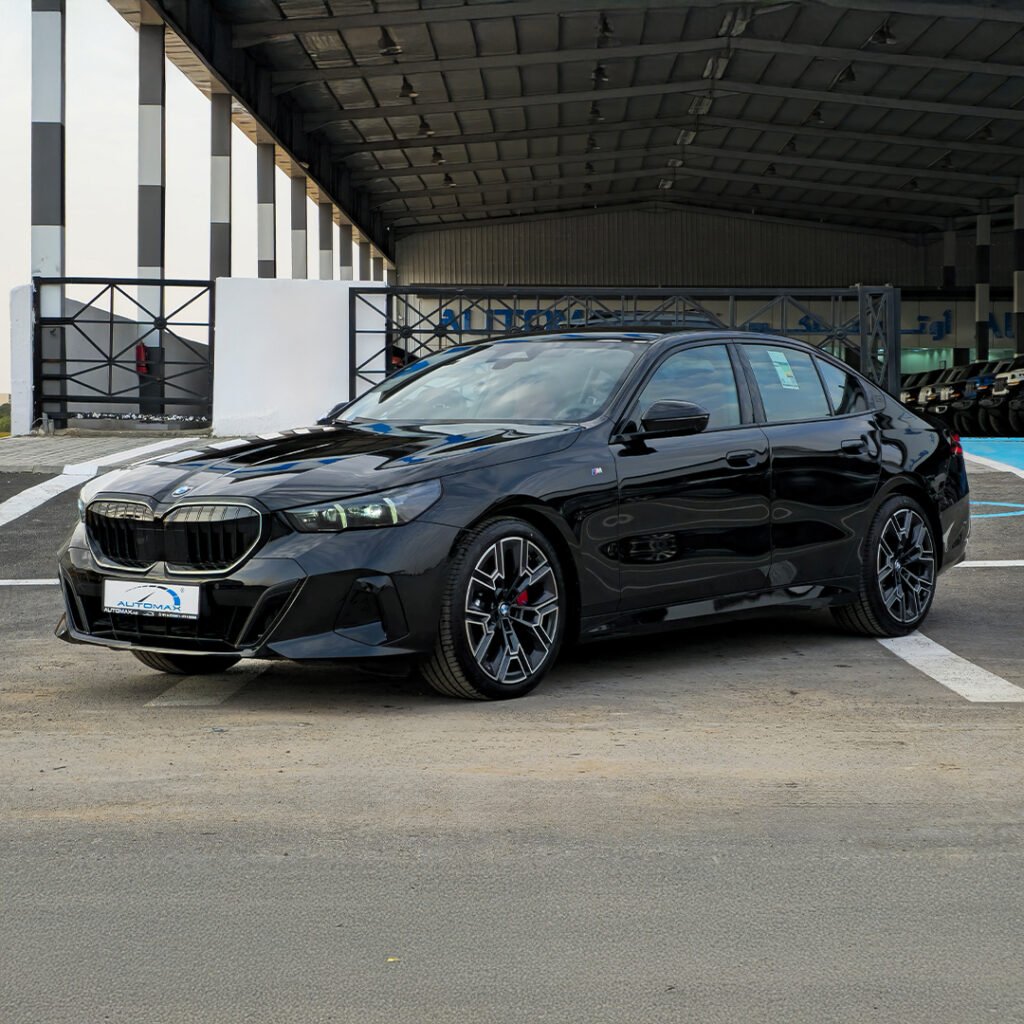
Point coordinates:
pixel 766 821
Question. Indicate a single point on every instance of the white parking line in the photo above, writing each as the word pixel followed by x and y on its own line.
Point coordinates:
pixel 74 475
pixel 970 681
pixel 992 464
pixel 203 691
pixel 1009 563
pixel 29 583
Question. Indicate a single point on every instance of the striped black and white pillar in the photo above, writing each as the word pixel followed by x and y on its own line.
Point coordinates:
pixel 982 286
pixel 949 256
pixel 345 272
pixel 299 229
pixel 325 213
pixel 220 185
pixel 377 268
pixel 152 162
pixel 48 58
pixel 266 212
pixel 364 261
pixel 1018 266
pixel 152 207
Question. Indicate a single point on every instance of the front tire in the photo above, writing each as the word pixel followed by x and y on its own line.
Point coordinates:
pixel 897 575
pixel 187 664
pixel 503 614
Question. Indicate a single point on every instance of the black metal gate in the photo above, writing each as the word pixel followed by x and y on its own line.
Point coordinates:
pixel 389 325
pixel 123 348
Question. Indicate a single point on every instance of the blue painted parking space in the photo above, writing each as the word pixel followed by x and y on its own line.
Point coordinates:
pixel 1007 450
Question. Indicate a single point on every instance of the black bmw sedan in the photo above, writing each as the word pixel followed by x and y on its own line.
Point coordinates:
pixel 486 505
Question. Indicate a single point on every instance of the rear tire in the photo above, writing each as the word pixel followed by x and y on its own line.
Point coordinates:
pixel 503 614
pixel 898 573
pixel 187 664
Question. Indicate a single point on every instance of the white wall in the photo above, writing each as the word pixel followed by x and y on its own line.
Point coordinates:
pixel 21 359
pixel 281 355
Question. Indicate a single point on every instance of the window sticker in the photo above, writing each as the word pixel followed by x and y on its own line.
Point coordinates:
pixel 784 371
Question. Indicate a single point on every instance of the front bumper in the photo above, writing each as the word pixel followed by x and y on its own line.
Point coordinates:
pixel 362 595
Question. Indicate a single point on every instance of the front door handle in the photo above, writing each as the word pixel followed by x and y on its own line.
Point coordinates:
pixel 854 445
pixel 741 459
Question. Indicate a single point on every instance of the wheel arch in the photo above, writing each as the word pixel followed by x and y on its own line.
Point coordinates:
pixel 546 520
pixel 915 488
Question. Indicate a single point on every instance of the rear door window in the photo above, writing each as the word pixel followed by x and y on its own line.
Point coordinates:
pixel 788 382
pixel 843 388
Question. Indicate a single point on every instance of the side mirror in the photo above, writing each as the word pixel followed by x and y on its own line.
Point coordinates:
pixel 673 419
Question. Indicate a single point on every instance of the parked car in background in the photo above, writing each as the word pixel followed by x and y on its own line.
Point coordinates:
pixel 966 421
pixel 950 390
pixel 994 407
pixel 484 505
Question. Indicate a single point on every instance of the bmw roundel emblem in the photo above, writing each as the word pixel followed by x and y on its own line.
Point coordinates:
pixel 179 491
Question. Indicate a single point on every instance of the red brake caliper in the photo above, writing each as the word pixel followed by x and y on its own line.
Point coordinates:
pixel 522 598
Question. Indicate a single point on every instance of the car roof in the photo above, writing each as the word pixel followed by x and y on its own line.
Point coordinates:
pixel 649 337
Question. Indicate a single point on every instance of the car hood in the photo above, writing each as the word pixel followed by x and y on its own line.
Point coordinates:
pixel 321 463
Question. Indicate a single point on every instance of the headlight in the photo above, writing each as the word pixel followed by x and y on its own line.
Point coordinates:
pixel 389 508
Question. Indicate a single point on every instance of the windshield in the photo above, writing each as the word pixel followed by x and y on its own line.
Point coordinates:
pixel 523 381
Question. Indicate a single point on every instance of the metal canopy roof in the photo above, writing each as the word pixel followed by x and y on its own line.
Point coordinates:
pixel 891 114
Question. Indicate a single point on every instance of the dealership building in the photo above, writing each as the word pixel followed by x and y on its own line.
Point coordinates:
pixel 843 172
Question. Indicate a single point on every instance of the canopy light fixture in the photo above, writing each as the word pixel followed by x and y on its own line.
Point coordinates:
pixel 604 30
pixel 815 118
pixel 665 183
pixel 674 161
pixel 790 146
pixel 686 136
pixel 588 167
pixel 437 157
pixel 735 22
pixel 407 92
pixel 600 75
pixel 595 113
pixel 984 134
pixel 716 66
pixel 882 36
pixel 424 131
pixel 448 180
pixel 769 171
pixel 846 75
pixel 700 105
pixel 387 45
pixel 592 145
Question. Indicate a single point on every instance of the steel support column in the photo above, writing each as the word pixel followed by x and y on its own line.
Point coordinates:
pixel 377 268
pixel 325 224
pixel 48 59
pixel 345 252
pixel 266 211
pixel 220 185
pixel 983 279
pixel 300 258
pixel 1018 267
pixel 364 261
pixel 949 256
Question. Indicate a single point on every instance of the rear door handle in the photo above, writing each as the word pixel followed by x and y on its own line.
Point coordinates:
pixel 854 445
pixel 741 459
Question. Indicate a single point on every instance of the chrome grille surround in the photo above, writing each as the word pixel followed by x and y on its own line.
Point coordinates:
pixel 191 538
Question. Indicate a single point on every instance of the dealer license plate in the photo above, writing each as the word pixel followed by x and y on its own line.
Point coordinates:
pixel 168 600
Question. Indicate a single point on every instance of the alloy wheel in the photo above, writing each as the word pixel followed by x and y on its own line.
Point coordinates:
pixel 511 610
pixel 906 566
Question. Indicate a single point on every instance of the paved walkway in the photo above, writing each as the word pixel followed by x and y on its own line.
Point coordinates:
pixel 54 453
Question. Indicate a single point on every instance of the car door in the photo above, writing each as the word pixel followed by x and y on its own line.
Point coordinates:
pixel 693 520
pixel 825 461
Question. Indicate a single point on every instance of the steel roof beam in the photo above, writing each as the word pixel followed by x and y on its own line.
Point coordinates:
pixel 694 149
pixel 255 32
pixel 731 203
pixel 706 122
pixel 961 202
pixel 288 79
pixel 261 31
pixel 722 87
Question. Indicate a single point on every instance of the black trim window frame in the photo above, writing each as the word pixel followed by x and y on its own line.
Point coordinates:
pixel 743 393
pixel 818 359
